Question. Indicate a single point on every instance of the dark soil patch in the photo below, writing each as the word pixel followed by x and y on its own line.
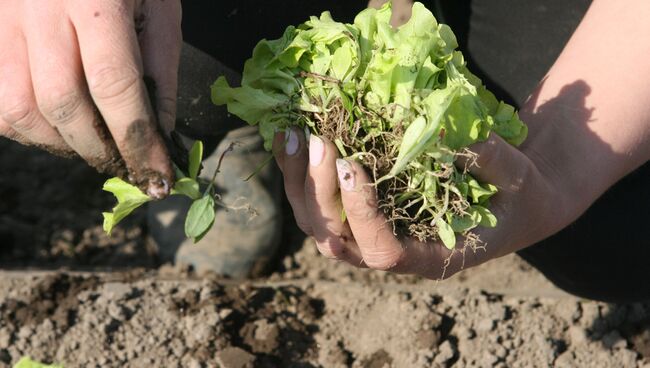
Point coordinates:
pixel 50 216
pixel 53 297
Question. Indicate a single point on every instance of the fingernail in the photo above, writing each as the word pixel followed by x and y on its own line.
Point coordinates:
pixel 316 150
pixel 346 175
pixel 292 142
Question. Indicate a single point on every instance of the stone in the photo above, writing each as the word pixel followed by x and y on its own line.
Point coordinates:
pixel 116 290
pixel 577 335
pixel 488 359
pixel 500 352
pixel 614 340
pixel 466 333
pixel 5 338
pixel 565 360
pixel 445 353
pixel 485 325
pixel 195 364
pixel 233 357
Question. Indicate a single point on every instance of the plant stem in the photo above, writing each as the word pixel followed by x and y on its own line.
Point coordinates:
pixel 216 171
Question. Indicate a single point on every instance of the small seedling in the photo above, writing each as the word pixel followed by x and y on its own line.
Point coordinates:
pixel 201 214
pixel 27 362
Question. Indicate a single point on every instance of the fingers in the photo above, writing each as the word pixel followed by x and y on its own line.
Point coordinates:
pixel 373 233
pixel 323 201
pixel 7 132
pixel 499 163
pixel 18 109
pixel 290 151
pixel 366 238
pixel 112 64
pixel 160 42
pixel 380 248
pixel 60 88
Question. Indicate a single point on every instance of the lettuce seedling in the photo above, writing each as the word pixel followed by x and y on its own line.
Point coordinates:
pixel 399 100
pixel 201 214
pixel 27 362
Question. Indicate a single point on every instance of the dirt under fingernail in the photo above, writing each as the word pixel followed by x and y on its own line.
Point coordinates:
pixel 158 188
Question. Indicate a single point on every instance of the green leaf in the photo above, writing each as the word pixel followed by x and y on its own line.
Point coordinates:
pixel 480 193
pixel 437 104
pixel 487 218
pixel 446 234
pixel 178 172
pixel 129 197
pixel 465 223
pixel 250 104
pixel 199 218
pixel 342 61
pixel 463 122
pixel 188 187
pixel 27 362
pixel 196 155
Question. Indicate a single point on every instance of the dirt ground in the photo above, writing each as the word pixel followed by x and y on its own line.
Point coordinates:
pixel 71 295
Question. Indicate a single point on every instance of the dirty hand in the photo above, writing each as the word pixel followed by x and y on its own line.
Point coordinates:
pixel 319 186
pixel 72 81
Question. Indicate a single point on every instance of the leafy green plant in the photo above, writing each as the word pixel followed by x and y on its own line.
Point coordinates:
pixel 27 362
pixel 399 100
pixel 201 214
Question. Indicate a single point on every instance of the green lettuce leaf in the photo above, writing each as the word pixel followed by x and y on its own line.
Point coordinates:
pixel 129 197
pixel 27 362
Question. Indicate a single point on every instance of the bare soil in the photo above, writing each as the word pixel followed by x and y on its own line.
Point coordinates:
pixel 71 295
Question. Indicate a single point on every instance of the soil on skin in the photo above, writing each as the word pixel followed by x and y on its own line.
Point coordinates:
pixel 70 294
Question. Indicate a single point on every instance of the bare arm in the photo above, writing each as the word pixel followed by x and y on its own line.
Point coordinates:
pixel 589 119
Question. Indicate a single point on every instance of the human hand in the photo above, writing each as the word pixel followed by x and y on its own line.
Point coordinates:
pixel 72 82
pixel 320 186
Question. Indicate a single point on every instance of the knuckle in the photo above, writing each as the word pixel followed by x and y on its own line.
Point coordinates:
pixel 361 210
pixel 304 226
pixel 108 82
pixel 331 248
pixel 6 131
pixel 166 106
pixel 60 107
pixel 521 177
pixel 20 114
pixel 383 262
pixel 166 112
pixel 488 153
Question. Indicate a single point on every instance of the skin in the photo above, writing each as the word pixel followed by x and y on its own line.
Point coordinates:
pixel 72 81
pixel 589 125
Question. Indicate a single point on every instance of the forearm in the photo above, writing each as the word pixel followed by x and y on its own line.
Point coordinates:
pixel 589 119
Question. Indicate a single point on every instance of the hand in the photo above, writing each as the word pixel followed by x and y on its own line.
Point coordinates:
pixel 72 82
pixel 320 186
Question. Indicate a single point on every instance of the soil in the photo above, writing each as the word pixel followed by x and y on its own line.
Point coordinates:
pixel 71 295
